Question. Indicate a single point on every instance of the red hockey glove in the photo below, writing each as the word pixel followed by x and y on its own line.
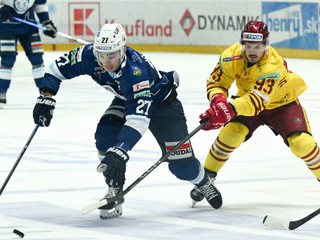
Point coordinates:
pixel 218 115
pixel 219 97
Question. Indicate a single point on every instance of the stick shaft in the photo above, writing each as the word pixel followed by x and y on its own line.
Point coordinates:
pixel 44 28
pixel 19 158
pixel 30 23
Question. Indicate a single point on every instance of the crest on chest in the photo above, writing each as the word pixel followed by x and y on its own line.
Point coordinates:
pixel 21 6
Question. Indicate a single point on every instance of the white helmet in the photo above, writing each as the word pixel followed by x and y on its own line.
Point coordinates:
pixel 110 38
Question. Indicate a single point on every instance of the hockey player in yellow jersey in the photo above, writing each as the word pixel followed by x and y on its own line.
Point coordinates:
pixel 267 95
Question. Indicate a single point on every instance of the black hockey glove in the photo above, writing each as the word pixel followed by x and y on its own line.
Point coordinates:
pixel 44 107
pixel 113 166
pixel 5 13
pixel 51 29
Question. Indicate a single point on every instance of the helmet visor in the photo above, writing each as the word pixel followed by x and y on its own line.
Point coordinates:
pixel 108 57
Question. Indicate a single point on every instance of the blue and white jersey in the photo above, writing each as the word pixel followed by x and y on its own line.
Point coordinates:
pixel 137 82
pixel 24 9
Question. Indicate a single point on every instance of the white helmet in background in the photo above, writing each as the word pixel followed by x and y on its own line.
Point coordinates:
pixel 110 38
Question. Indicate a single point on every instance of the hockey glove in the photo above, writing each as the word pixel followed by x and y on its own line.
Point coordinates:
pixel 51 29
pixel 113 166
pixel 218 115
pixel 219 97
pixel 5 13
pixel 44 107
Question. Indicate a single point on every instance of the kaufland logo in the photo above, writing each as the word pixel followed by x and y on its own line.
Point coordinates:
pixel 142 28
pixel 187 22
pixel 84 19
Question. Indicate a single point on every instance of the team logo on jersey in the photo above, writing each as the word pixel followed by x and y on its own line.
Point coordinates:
pixel 229 59
pixel 298 120
pixel 141 85
pixel 21 6
pixel 137 71
pixel 184 151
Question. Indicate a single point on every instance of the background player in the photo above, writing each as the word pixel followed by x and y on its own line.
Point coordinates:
pixel 267 95
pixel 12 31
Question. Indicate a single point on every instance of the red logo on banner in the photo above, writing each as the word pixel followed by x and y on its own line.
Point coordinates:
pixel 187 22
pixel 84 19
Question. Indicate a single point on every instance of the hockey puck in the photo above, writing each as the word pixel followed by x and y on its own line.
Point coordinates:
pixel 20 234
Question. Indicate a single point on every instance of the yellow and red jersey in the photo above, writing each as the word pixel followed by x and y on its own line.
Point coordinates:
pixel 267 84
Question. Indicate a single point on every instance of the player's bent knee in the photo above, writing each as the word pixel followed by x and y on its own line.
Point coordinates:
pixel 233 134
pixel 36 60
pixel 187 169
pixel 301 144
pixel 8 61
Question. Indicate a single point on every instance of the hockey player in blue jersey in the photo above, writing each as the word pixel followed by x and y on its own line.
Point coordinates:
pixel 12 31
pixel 144 98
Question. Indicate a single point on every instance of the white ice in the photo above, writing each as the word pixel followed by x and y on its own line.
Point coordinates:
pixel 57 175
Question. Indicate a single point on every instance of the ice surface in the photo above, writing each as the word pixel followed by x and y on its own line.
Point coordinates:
pixel 56 177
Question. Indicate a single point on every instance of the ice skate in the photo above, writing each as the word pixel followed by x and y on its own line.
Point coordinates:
pixel 208 191
pixel 196 196
pixel 113 209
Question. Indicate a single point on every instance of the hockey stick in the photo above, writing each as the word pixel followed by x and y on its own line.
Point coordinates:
pixel 291 225
pixel 44 28
pixel 41 119
pixel 105 201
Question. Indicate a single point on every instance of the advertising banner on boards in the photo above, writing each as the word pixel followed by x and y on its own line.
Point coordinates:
pixel 292 24
pixel 158 22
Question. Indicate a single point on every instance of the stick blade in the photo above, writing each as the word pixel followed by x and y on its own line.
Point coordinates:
pixel 277 223
pixel 93 206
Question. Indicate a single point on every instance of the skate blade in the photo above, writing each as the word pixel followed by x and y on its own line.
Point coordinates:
pixel 193 203
pixel 110 213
